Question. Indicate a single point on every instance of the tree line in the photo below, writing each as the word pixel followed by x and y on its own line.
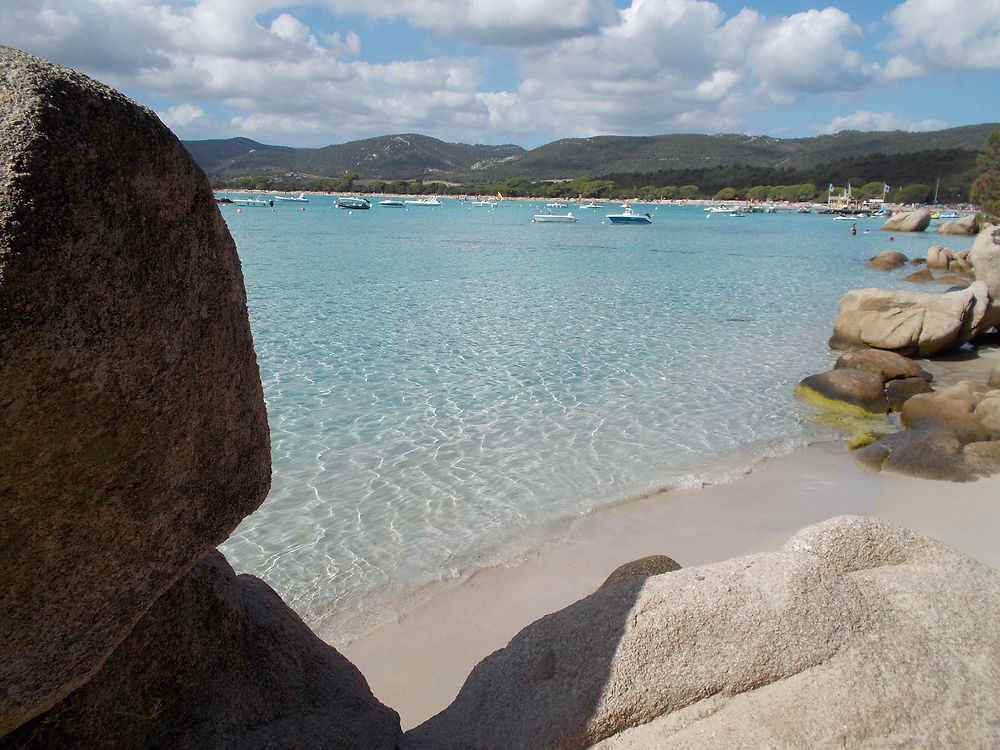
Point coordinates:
pixel 947 174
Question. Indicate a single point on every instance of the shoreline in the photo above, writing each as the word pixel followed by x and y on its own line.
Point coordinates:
pixel 417 661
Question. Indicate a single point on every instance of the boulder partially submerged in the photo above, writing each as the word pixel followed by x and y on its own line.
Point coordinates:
pixel 908 221
pixel 865 383
pixel 967 225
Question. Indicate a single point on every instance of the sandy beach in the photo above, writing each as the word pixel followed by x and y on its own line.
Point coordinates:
pixel 417 663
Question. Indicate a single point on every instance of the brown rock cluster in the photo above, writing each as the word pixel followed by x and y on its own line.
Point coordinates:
pixel 865 383
pixel 952 434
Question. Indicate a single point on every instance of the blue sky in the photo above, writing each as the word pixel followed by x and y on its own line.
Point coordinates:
pixel 318 72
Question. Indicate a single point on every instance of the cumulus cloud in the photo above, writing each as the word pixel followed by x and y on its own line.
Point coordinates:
pixel 183 115
pixel 297 73
pixel 864 120
pixel 932 36
pixel 681 64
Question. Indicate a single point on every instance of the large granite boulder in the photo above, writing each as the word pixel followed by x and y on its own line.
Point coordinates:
pixel 939 257
pixel 922 323
pixel 985 258
pixel 220 662
pixel 908 221
pixel 135 433
pixel 967 225
pixel 856 633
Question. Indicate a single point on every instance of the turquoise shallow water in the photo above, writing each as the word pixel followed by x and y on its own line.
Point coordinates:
pixel 443 384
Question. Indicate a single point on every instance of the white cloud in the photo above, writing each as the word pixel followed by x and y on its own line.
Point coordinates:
pixel 864 120
pixel 514 23
pixel 934 36
pixel 809 52
pixel 296 73
pixel 183 115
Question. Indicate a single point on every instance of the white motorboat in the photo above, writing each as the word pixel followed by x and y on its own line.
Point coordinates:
pixel 487 204
pixel 349 201
pixel 592 205
pixel 557 204
pixel 628 216
pixel 424 202
pixel 300 198
pixel 391 203
pixel 551 218
pixel 257 202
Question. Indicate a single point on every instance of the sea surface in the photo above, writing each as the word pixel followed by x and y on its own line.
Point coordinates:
pixel 446 385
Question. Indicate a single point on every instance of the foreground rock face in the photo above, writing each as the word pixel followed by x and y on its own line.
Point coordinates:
pixel 218 662
pixel 856 633
pixel 135 434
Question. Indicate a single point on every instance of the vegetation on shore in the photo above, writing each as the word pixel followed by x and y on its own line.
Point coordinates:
pixel 986 188
pixel 949 175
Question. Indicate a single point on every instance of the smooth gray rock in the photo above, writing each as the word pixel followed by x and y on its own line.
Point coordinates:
pixel 135 433
pixel 898 392
pixel 985 258
pixel 220 663
pixel 908 221
pixel 922 323
pixel 967 225
pixel 939 257
pixel 857 633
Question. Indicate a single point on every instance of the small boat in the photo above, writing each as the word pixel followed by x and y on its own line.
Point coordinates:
pixel 257 202
pixel 557 204
pixel 300 198
pixel 566 218
pixel 353 202
pixel 391 203
pixel 592 205
pixel 487 204
pixel 424 202
pixel 628 216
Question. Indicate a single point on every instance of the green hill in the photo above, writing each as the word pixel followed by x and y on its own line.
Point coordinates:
pixel 418 157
